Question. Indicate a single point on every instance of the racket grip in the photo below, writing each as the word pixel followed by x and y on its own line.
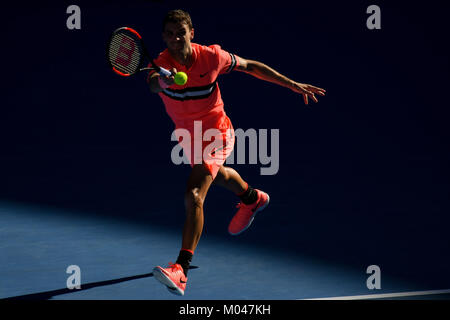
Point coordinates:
pixel 164 72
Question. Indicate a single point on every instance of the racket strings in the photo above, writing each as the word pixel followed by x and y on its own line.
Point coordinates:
pixel 124 53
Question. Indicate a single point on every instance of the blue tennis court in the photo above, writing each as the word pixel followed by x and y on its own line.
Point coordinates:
pixel 117 238
pixel 116 258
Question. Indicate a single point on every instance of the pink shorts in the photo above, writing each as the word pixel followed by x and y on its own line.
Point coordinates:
pixel 206 144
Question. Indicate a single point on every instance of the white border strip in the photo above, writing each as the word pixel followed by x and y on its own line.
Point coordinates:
pixel 386 295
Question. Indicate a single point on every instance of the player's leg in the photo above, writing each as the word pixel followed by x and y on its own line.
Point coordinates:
pixel 252 200
pixel 230 179
pixel 175 276
pixel 197 187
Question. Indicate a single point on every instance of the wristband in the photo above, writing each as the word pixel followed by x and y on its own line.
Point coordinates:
pixel 162 84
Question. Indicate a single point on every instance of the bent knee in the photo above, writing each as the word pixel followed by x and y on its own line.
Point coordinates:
pixel 193 199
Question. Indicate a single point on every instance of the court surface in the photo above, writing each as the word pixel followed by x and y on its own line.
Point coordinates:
pixel 119 237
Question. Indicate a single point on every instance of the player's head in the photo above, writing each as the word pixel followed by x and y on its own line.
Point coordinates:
pixel 177 30
pixel 178 16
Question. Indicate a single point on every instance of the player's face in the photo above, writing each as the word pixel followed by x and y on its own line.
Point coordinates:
pixel 177 36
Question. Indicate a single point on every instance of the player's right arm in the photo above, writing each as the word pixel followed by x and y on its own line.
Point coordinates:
pixel 157 82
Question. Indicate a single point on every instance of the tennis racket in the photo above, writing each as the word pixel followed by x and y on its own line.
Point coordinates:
pixel 127 54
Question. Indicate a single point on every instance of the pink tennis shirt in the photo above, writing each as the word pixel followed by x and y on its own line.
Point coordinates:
pixel 199 99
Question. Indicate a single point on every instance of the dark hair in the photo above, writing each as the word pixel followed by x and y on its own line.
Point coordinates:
pixel 177 16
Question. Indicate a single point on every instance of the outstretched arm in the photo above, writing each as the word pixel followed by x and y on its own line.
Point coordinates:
pixel 264 72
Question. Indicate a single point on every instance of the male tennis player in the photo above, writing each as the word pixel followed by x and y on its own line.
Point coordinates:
pixel 200 100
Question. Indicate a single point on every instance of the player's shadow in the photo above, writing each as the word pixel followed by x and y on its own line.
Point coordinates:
pixel 46 295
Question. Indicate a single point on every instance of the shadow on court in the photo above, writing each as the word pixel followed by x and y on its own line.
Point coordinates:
pixel 50 294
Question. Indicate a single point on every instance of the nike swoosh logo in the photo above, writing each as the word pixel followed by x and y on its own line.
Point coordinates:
pixel 181 281
pixel 202 75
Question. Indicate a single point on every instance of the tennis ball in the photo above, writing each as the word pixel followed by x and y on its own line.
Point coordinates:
pixel 180 78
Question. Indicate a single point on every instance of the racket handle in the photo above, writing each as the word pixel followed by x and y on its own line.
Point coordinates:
pixel 164 72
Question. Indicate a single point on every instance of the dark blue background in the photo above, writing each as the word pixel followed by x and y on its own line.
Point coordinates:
pixel 364 174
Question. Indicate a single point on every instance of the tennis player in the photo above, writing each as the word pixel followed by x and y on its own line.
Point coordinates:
pixel 200 101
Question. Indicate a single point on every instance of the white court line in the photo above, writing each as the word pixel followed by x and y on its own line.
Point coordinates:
pixel 386 295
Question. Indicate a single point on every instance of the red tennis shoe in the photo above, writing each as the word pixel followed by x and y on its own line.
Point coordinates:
pixel 173 277
pixel 246 213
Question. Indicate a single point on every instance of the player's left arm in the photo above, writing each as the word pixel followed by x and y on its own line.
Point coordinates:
pixel 264 72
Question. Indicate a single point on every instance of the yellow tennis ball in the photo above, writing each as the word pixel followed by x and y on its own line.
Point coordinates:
pixel 180 78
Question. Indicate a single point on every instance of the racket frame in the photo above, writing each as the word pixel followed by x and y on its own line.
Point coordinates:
pixel 145 56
